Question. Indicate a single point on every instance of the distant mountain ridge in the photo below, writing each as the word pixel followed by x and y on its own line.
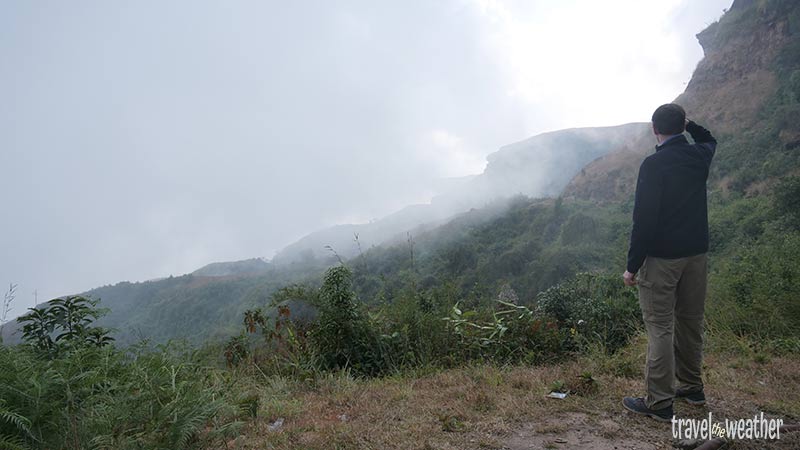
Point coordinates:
pixel 539 166
pixel 245 266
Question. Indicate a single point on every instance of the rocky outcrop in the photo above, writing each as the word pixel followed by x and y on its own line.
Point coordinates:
pixel 737 75
pixel 729 91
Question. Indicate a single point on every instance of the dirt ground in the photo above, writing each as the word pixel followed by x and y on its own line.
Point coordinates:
pixel 576 431
pixel 486 407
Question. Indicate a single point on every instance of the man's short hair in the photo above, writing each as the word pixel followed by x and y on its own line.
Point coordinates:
pixel 669 119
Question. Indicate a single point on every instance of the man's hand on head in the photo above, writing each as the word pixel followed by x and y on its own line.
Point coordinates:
pixel 629 278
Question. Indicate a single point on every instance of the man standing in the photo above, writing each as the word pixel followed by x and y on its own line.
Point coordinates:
pixel 667 260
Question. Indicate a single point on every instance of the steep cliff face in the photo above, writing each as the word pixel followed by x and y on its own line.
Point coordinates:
pixel 746 90
pixel 737 76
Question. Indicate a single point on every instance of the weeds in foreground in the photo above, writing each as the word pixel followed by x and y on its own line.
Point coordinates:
pixel 65 388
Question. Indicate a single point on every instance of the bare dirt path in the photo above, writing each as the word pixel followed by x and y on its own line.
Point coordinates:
pixel 577 431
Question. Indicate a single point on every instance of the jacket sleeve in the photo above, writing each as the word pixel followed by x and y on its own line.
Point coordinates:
pixel 646 207
pixel 703 140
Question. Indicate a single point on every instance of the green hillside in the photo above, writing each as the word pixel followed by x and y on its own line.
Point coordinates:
pixel 193 307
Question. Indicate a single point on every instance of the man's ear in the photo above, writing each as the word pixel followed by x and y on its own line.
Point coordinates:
pixel 655 131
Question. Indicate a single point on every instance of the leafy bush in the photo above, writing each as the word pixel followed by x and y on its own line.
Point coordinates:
pixel 411 328
pixel 64 323
pixel 431 327
pixel 598 308
pixel 513 333
pixel 755 292
pixel 343 335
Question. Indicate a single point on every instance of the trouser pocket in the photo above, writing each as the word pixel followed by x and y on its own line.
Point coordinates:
pixel 657 290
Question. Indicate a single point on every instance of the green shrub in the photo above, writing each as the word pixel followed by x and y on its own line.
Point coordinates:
pixel 412 330
pixel 756 290
pixel 344 335
pixel 512 333
pixel 595 308
pixel 417 328
pixel 64 324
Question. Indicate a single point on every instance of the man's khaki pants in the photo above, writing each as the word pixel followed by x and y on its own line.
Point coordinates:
pixel 672 295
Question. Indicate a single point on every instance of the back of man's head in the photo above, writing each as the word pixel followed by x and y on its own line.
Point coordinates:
pixel 669 119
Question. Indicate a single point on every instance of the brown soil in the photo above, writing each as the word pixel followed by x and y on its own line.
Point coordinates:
pixel 486 407
pixel 578 431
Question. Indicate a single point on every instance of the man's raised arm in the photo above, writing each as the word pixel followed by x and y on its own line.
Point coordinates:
pixel 702 138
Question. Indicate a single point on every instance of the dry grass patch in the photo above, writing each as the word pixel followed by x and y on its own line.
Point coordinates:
pixel 505 407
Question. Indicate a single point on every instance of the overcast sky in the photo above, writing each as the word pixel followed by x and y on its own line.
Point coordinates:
pixel 140 139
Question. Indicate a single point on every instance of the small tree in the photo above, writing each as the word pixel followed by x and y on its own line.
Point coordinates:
pixel 64 323
pixel 342 334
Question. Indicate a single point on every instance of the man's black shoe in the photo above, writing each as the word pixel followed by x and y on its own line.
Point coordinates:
pixel 638 406
pixel 691 397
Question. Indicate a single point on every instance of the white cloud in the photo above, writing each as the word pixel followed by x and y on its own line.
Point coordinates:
pixel 449 155
pixel 590 63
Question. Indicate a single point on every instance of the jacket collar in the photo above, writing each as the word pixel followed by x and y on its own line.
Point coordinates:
pixel 677 139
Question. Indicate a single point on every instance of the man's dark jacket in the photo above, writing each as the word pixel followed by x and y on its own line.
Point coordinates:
pixel 670 214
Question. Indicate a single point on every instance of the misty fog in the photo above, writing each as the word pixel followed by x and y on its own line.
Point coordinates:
pixel 149 138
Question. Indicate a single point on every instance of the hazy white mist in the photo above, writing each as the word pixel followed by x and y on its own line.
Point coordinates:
pixel 148 138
